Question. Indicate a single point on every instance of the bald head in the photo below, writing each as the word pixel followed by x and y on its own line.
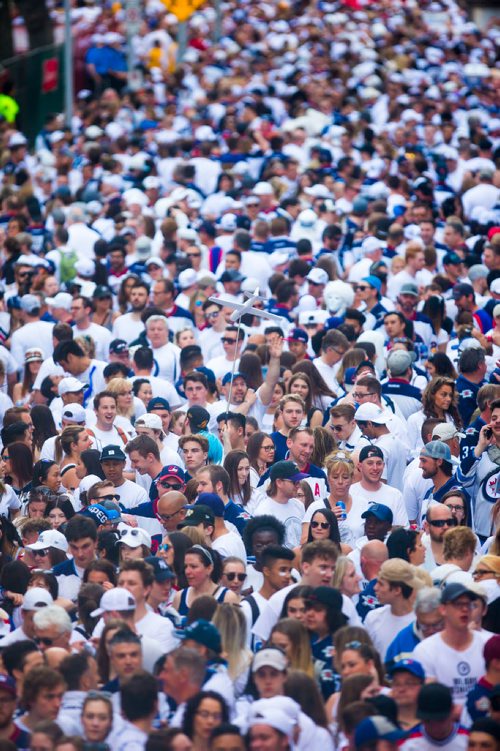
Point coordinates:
pixel 171 509
pixel 372 556
pixel 54 656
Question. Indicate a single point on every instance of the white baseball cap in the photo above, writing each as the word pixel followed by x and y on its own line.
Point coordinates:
pixel 50 538
pixel 61 300
pixel 36 598
pixel 150 420
pixel 118 598
pixel 134 537
pixel 318 276
pixel 445 431
pixel 187 278
pixel 70 385
pixel 74 412
pixel 371 413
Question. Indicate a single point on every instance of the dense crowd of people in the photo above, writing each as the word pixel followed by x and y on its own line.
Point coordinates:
pixel 276 529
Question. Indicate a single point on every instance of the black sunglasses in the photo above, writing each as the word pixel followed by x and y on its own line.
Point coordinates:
pixel 108 497
pixel 322 525
pixel 444 522
pixel 233 575
pixel 171 485
pixel 43 640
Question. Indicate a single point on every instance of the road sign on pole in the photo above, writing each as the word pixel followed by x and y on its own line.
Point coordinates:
pixel 133 19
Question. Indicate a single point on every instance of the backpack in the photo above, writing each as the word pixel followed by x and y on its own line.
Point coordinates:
pixel 253 607
pixel 67 271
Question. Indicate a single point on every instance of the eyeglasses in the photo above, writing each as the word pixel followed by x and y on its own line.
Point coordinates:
pixel 205 715
pixel 227 340
pixel 40 553
pixel 5 457
pixel 233 575
pixel 193 255
pixel 479 572
pixel 339 352
pixel 167 517
pixel 454 508
pixel 131 532
pixel 268 448
pixel 407 684
pixel 461 604
pixel 357 395
pixel 109 497
pixel 171 485
pixel 443 522
pixel 321 525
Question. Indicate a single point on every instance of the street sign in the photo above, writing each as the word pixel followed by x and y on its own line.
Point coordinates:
pixel 133 16
pixel 183 9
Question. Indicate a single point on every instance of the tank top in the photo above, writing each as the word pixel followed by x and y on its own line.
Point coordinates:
pixel 219 595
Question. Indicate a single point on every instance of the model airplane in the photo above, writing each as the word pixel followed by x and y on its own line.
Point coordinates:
pixel 241 309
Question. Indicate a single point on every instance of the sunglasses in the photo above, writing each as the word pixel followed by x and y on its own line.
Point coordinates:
pixel 215 314
pixel 40 553
pixel 227 340
pixel 171 485
pixel 233 575
pixel 193 255
pixel 482 572
pixel 321 525
pixel 164 546
pixel 361 287
pixel 337 428
pixel 44 640
pixel 443 523
pixel 109 497
pixel 131 532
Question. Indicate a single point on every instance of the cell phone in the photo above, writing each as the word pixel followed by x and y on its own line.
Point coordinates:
pixel 488 432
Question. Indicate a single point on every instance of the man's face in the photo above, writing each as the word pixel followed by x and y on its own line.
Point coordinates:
pixel 297 348
pixel 138 298
pixel 83 551
pixel 480 741
pixel 371 469
pixel 48 702
pixel 405 688
pixel 196 393
pixel 113 471
pixel 230 343
pixel 441 519
pixel 79 312
pixel 230 742
pixel 407 302
pixel 51 637
pixel 394 327
pixel 132 580
pixel 261 539
pixel 319 572
pixel 292 414
pixel 429 467
pixel 451 237
pixel 165 416
pixel 161 298
pixel 139 463
pixel 73 397
pixel 157 332
pixel 194 456
pixel 126 659
pixel 464 303
pixel 385 593
pixel 376 529
pixel 362 394
pixel 458 614
pixel 106 411
pixel 238 391
pixel 301 448
pixel 279 573
pixel 341 428
pixel 427 232
pixel 170 514
pixel 495 423
pixel 116 260
pixel 430 623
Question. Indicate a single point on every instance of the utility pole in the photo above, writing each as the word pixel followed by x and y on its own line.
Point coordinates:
pixel 68 64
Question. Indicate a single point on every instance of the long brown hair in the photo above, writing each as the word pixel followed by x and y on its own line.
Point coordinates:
pixel 65 440
pixel 429 393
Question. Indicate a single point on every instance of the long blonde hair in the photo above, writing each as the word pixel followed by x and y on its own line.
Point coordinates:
pixel 232 626
pixel 300 652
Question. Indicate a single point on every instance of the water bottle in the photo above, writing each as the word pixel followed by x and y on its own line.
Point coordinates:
pixel 341 505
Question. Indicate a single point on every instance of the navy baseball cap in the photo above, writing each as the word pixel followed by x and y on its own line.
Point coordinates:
pixel 411 666
pixel 452 258
pixel 172 470
pixel 158 402
pixel 286 470
pixel 118 346
pixel 101 515
pixel 227 377
pixel 376 728
pixel 213 501
pixel 379 510
pixel 7 684
pixel 112 453
pixel 298 335
pixel 162 571
pixel 198 417
pixel 209 374
pixel 197 514
pixel 367 452
pixel 202 632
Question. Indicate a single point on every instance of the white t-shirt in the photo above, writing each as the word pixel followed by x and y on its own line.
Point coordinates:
pixel 131 494
pixel 362 499
pixel 167 359
pixel 162 388
pixel 383 626
pixel 328 373
pixel 9 501
pixel 221 365
pixel 35 334
pixel 290 513
pixel 457 669
pixel 101 337
pixel 47 368
pixel 127 327
pixel 160 629
pixel 229 545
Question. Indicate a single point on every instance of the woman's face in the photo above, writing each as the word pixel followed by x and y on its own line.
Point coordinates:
pixel 34 367
pixel 96 720
pixel 457 507
pixel 131 554
pixel 320 527
pixel 36 509
pixel 300 387
pixel 166 551
pixel 57 517
pixel 125 399
pixel 243 471
pixel 98 577
pixel 296 609
pixel 315 619
pixel 267 451
pixel 350 582
pixel 443 398
pixel 5 467
pixel 82 442
pixel 300 493
pixel 417 556
pixel 178 427
pixel 351 663
pixel 269 682
pixel 80 469
pixel 278 393
pixel 186 338
pixel 340 482
pixel 145 393
pixel 208 716
pixel 430 368
pixel 234 577
pixel 282 641
pixel 195 571
pixel 42 558
pixel 53 478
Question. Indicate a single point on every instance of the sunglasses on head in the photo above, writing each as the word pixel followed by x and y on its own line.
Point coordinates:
pixel 233 575
pixel 321 525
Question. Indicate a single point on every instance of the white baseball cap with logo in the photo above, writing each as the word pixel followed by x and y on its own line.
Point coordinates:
pixel 50 538
pixel 70 385
pixel 74 413
pixel 36 598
